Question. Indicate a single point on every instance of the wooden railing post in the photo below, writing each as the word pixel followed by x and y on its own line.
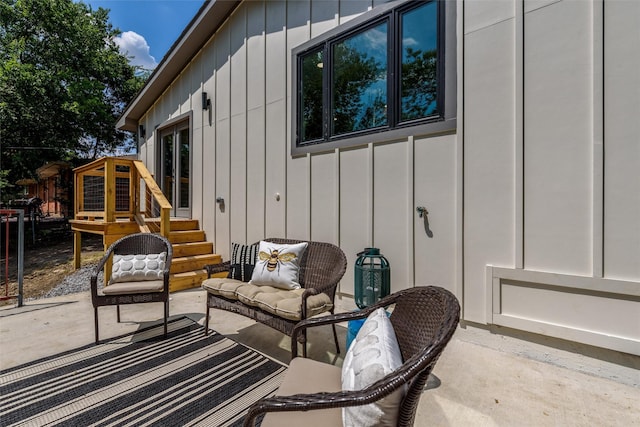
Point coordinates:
pixel 78 203
pixel 77 249
pixel 78 197
pixel 109 190
pixel 134 190
pixel 165 222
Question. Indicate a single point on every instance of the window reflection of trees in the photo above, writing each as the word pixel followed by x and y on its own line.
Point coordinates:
pixel 418 81
pixel 360 83
pixel 419 84
pixel 311 108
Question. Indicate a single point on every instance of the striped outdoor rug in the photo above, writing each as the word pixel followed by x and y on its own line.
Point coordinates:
pixel 141 379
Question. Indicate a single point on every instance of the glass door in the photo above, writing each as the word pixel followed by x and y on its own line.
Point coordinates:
pixel 175 173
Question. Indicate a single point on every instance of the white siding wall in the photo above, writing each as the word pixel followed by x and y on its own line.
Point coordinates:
pixel 550 230
pixel 622 140
pixel 489 146
pixel 551 223
pixel 355 198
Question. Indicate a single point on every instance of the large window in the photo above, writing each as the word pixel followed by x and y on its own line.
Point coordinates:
pixel 381 73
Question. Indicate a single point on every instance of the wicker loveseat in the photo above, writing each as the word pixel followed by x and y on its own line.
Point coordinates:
pixel 322 266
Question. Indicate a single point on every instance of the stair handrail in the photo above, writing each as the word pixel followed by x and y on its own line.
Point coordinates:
pixel 156 193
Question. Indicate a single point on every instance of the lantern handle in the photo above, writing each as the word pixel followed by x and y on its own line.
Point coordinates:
pixel 371 252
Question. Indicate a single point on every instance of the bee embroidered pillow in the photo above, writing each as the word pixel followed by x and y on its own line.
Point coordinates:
pixel 278 265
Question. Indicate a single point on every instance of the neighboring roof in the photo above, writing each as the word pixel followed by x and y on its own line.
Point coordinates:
pixel 26 181
pixel 51 169
pixel 209 18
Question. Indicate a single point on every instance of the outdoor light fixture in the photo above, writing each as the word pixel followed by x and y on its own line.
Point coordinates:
pixel 142 131
pixel 206 102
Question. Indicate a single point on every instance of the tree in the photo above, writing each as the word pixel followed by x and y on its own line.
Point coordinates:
pixel 355 73
pixel 419 83
pixel 63 84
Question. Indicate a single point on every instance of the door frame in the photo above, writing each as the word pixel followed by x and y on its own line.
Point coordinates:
pixel 175 125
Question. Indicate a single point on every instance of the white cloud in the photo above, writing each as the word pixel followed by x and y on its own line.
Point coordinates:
pixel 409 41
pixel 377 39
pixel 134 46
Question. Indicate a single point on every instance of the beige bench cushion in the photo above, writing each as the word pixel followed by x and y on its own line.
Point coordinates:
pixel 307 376
pixel 224 287
pixel 283 303
pixel 144 286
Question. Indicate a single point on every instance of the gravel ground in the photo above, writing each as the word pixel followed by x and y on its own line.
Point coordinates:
pixel 78 281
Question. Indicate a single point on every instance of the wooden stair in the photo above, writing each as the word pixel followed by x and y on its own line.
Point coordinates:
pixel 191 252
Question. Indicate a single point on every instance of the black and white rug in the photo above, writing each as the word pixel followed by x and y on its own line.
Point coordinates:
pixel 141 379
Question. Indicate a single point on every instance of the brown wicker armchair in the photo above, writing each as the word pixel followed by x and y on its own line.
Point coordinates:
pixel 424 320
pixel 321 268
pixel 134 292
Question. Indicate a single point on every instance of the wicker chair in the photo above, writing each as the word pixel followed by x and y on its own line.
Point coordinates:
pixel 424 320
pixel 321 269
pixel 134 292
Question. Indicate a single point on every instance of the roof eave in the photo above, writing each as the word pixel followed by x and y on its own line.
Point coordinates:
pixel 210 17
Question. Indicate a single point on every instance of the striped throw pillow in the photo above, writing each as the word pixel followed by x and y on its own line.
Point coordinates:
pixel 243 260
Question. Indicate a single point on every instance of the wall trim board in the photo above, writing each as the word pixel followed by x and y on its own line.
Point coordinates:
pixel 598 137
pixel 498 277
pixel 519 134
pixel 411 211
pixel 611 342
pixel 459 172
pixel 336 194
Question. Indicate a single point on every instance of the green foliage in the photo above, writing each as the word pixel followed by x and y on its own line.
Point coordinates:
pixel 3 179
pixel 63 84
pixel 312 96
pixel 419 84
pixel 355 72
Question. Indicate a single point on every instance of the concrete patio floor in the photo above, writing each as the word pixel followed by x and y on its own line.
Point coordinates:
pixel 482 379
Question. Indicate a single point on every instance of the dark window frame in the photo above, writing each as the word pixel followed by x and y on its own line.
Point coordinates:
pixel 441 123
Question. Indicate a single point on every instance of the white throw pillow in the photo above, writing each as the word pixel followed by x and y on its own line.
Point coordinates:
pixel 133 268
pixel 278 265
pixel 373 354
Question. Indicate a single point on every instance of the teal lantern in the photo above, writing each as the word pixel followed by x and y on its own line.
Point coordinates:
pixel 372 277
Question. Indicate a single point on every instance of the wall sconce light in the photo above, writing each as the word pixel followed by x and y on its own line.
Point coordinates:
pixel 142 131
pixel 206 102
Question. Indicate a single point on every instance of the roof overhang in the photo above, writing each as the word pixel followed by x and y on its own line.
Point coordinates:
pixel 26 181
pixel 207 21
pixel 51 169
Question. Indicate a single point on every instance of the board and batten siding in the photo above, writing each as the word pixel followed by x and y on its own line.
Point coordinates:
pixel 550 87
pixel 530 224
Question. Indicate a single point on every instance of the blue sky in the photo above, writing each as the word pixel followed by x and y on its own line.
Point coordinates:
pixel 149 27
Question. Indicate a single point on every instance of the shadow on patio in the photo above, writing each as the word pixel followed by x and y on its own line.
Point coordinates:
pixel 481 379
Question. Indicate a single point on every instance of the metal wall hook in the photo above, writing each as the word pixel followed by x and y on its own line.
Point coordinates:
pixel 220 202
pixel 422 211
